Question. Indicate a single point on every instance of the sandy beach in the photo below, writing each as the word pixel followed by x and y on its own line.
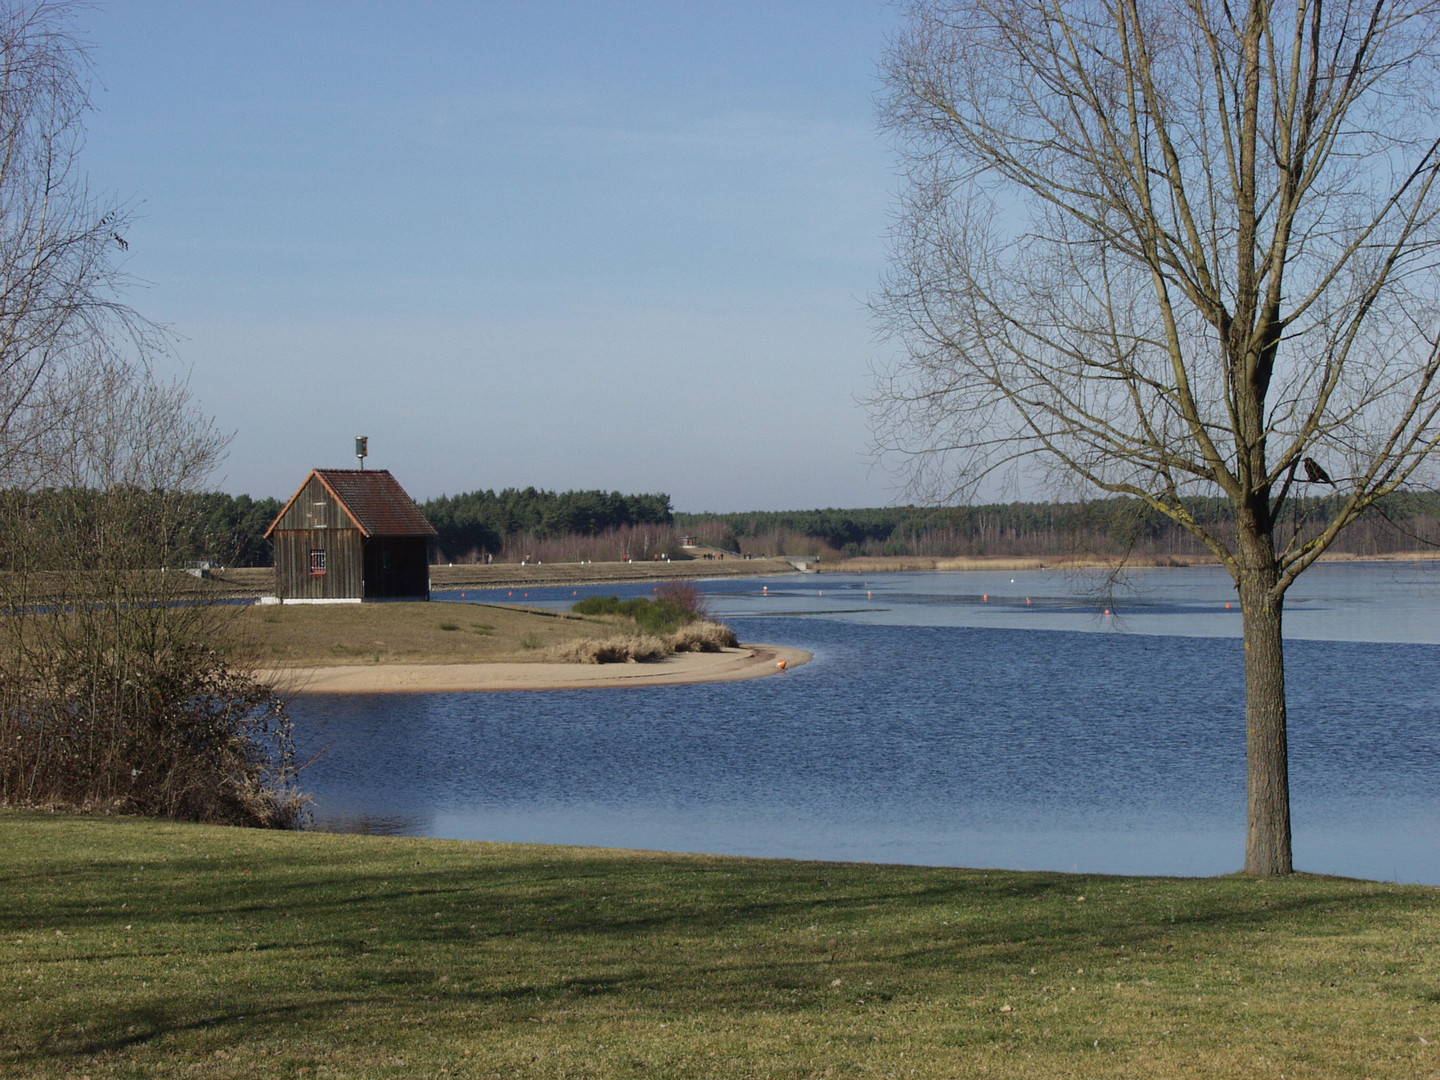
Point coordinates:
pixel 745 662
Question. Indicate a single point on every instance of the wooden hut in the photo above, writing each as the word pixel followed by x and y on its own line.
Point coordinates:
pixel 351 535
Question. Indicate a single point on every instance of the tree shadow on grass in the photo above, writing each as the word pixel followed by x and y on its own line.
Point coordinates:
pixel 506 933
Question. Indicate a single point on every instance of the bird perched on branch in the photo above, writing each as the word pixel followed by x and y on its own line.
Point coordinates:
pixel 1315 474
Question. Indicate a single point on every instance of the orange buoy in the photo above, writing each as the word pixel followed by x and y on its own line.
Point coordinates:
pixel 986 598
pixel 1227 605
pixel 1107 611
pixel 780 664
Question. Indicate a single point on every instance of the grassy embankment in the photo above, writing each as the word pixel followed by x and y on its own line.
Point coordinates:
pixel 134 949
pixel 319 635
pixel 324 634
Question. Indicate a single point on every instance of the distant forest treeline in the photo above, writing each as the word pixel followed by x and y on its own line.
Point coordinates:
pixel 1114 526
pixel 212 525
pixel 528 523
pixel 563 527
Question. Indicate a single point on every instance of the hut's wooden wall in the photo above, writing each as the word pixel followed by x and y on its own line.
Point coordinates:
pixel 316 522
pixel 344 564
pixel 315 508
pixel 397 566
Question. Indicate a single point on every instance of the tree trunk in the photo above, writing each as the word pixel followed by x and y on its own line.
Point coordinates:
pixel 1267 840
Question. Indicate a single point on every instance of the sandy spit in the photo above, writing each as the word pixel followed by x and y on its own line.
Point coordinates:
pixel 746 662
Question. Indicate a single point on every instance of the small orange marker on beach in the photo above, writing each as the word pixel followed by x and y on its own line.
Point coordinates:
pixel 780 664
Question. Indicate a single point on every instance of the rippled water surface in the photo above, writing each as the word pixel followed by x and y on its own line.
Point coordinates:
pixel 958 719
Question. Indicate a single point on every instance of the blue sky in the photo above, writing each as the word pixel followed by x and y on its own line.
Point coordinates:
pixel 576 245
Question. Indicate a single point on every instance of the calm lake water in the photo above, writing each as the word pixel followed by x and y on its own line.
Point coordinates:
pixel 996 719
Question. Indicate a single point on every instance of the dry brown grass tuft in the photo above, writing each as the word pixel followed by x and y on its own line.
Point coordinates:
pixel 638 648
pixel 621 649
pixel 703 637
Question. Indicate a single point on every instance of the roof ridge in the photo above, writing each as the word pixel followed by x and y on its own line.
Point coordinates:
pixel 377 504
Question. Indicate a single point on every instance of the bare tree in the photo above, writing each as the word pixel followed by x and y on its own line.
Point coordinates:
pixel 1174 248
pixel 117 689
pixel 60 284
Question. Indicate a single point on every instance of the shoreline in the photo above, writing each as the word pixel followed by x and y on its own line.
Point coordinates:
pixel 249 583
pixel 746 662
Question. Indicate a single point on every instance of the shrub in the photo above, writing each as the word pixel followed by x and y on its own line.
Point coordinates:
pixel 685 597
pixel 607 605
pixel 182 735
pixel 675 604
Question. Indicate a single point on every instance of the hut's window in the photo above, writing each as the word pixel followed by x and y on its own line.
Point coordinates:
pixel 317 562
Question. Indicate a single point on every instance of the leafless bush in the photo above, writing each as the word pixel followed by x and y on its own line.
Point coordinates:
pixel 182 735
pixel 685 597
pixel 116 695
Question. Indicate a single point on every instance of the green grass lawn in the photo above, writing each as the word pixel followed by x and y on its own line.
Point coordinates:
pixel 135 948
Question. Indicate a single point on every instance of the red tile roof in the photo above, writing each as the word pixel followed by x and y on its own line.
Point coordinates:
pixel 373 500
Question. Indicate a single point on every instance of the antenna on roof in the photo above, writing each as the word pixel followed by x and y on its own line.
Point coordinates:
pixel 362 448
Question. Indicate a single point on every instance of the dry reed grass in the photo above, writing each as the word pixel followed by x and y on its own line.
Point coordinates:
pixel 621 649
pixel 640 648
pixel 703 637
